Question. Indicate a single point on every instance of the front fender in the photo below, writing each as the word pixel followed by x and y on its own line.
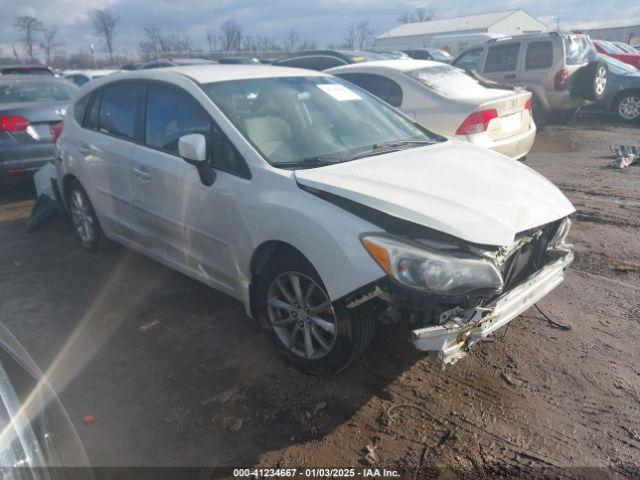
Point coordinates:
pixel 326 235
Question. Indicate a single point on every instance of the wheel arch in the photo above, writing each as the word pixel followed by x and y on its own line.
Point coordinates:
pixel 262 255
pixel 67 180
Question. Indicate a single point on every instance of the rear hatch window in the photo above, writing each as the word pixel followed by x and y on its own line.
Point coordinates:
pixel 578 50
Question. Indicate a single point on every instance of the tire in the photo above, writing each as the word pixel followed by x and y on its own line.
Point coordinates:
pixel 86 225
pixel 315 338
pixel 539 115
pixel 627 107
pixel 592 81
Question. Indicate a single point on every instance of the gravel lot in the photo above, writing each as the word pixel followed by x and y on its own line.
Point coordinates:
pixel 176 374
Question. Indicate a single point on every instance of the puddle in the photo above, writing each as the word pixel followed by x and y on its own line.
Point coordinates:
pixel 623 202
pixel 554 144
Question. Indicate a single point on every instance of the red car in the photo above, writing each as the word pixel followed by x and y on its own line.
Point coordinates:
pixel 613 50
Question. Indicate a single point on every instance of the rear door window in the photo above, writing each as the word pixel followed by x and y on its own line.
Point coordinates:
pixel 469 60
pixel 502 58
pixel 378 85
pixel 539 55
pixel 120 109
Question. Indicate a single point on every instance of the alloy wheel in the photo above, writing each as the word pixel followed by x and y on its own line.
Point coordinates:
pixel 629 107
pixel 302 315
pixel 82 217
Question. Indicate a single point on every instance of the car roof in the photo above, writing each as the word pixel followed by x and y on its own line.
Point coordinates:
pixel 400 65
pixel 219 72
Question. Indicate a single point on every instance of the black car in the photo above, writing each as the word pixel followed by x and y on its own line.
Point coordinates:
pixel 31 112
pixel 324 59
pixel 436 54
pixel 176 62
pixel 25 70
pixel 239 61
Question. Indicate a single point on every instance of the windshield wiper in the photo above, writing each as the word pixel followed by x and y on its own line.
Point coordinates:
pixel 310 162
pixel 386 147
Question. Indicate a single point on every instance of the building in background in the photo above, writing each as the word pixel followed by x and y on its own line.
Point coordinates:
pixel 421 34
pixel 628 34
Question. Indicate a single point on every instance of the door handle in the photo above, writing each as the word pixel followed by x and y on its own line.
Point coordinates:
pixel 84 149
pixel 142 174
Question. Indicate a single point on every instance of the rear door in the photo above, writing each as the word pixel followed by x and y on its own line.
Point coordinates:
pixel 112 125
pixel 502 62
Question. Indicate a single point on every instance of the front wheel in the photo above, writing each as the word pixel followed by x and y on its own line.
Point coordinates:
pixel 627 107
pixel 303 323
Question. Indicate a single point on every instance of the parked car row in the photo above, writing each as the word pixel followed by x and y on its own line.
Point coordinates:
pixel 320 207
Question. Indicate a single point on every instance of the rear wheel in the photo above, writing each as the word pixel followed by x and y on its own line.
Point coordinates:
pixel 85 222
pixel 627 107
pixel 303 323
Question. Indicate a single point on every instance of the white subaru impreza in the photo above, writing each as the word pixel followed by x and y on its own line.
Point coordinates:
pixel 320 207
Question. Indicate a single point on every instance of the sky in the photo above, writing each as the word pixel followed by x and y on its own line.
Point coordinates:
pixel 322 21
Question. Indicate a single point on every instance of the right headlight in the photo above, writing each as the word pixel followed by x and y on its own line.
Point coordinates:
pixel 439 272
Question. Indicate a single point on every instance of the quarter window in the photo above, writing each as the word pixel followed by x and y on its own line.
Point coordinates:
pixel 120 108
pixel 539 55
pixel 80 108
pixel 378 85
pixel 502 58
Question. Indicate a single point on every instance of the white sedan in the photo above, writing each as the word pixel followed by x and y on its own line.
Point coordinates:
pixel 449 102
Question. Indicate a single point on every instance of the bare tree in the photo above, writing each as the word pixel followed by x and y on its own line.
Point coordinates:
pixel 29 26
pixel 49 42
pixel 151 46
pixel 358 35
pixel 420 14
pixel 291 41
pixel 212 40
pixel 230 36
pixel 104 24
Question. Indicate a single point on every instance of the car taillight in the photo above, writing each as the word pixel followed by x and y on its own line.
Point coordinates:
pixel 13 123
pixel 561 80
pixel 528 105
pixel 56 130
pixel 477 122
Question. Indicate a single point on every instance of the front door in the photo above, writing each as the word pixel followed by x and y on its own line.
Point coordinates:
pixel 187 222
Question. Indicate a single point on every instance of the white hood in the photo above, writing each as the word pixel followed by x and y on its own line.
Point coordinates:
pixel 453 187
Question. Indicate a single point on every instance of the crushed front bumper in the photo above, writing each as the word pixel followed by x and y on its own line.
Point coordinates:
pixel 463 328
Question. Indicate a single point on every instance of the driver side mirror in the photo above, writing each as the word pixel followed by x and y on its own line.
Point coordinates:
pixel 193 147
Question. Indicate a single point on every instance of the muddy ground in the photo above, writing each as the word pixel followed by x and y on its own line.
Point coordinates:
pixel 176 374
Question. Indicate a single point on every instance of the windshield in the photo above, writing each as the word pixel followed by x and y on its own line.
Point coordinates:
pixel 450 82
pixel 610 48
pixel 26 91
pixel 439 54
pixel 618 67
pixel 578 50
pixel 294 119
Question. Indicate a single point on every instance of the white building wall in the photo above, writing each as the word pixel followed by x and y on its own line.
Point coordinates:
pixel 517 24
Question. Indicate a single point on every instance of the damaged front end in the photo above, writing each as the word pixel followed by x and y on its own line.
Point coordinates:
pixel 456 295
